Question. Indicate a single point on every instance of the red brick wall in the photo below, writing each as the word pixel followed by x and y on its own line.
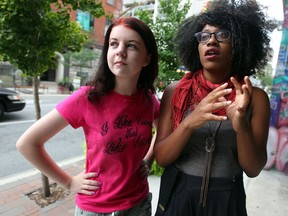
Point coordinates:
pixel 99 23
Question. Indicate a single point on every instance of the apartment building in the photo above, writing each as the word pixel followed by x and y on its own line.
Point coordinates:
pixel 130 6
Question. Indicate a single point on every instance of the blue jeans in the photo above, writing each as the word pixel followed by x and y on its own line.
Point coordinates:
pixel 142 209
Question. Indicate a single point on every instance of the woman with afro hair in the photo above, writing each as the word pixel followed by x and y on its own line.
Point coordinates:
pixel 213 123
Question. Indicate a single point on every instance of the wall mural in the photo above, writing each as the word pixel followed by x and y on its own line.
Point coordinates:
pixel 277 147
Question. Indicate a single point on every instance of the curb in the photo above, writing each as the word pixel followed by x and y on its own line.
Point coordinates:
pixel 32 172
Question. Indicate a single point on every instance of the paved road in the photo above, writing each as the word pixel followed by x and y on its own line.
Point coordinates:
pixel 65 145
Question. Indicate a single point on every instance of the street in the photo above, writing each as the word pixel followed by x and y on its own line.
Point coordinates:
pixel 65 145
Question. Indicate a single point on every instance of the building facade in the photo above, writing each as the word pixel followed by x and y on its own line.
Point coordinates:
pixel 95 28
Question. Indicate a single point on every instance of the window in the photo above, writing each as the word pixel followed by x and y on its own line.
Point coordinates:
pixel 85 20
pixel 107 24
pixel 110 2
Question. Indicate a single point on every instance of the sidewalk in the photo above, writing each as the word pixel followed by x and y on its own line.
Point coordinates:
pixel 14 202
pixel 51 88
pixel 267 195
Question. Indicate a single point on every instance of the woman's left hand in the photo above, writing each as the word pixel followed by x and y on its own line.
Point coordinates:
pixel 145 168
pixel 85 183
pixel 236 112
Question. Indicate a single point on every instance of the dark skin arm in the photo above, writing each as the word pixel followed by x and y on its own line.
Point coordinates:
pixel 251 136
pixel 169 144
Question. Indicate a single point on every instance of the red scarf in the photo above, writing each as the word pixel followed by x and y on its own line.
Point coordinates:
pixel 192 88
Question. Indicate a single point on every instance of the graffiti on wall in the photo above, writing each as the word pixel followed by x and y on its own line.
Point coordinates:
pixel 277 147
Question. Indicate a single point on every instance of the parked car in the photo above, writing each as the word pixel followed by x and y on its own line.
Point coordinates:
pixel 10 101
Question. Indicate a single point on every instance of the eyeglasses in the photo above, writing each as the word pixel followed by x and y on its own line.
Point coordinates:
pixel 204 37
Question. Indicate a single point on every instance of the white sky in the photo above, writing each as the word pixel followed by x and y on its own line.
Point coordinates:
pixel 275 10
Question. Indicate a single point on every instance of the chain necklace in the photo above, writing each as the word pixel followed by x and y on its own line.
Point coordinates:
pixel 209 147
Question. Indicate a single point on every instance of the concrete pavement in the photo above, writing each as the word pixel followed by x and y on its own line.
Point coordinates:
pixel 267 194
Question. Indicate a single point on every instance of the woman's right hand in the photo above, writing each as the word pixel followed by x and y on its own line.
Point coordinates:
pixel 203 112
pixel 82 183
pixel 170 142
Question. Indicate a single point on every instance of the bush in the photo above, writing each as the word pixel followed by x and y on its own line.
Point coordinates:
pixel 156 169
pixel 64 83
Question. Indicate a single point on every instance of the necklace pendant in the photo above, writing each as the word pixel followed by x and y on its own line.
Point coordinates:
pixel 210 144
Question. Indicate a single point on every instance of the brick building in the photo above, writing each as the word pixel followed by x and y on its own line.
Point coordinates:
pixel 95 27
pixel 98 26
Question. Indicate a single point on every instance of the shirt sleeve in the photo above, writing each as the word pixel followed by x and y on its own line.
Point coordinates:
pixel 73 107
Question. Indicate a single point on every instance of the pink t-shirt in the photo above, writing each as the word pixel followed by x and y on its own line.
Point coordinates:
pixel 118 131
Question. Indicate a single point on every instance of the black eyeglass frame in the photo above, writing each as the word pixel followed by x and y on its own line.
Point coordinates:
pixel 216 33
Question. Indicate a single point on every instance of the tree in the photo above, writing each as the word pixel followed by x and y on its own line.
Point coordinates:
pixel 266 78
pixel 164 28
pixel 83 61
pixel 31 32
pixel 83 58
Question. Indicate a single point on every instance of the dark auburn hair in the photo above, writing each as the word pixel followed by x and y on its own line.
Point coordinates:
pixel 249 29
pixel 104 79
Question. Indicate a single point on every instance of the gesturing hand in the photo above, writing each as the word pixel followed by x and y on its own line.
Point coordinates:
pixel 82 183
pixel 236 112
pixel 204 110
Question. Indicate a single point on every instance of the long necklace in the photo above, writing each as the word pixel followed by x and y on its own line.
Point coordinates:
pixel 209 147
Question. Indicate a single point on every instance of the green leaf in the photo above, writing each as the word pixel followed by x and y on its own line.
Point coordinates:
pixel 164 29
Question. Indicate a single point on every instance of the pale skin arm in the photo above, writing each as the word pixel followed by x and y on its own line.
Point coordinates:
pixel 251 136
pixel 169 144
pixel 31 146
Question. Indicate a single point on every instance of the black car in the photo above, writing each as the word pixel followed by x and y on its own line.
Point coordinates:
pixel 10 101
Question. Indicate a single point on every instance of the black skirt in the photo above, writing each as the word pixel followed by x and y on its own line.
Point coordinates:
pixel 226 197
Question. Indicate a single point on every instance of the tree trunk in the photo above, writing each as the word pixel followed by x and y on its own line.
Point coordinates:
pixel 45 180
pixel 45 186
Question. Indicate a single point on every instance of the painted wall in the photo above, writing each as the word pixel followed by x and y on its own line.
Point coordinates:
pixel 278 133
